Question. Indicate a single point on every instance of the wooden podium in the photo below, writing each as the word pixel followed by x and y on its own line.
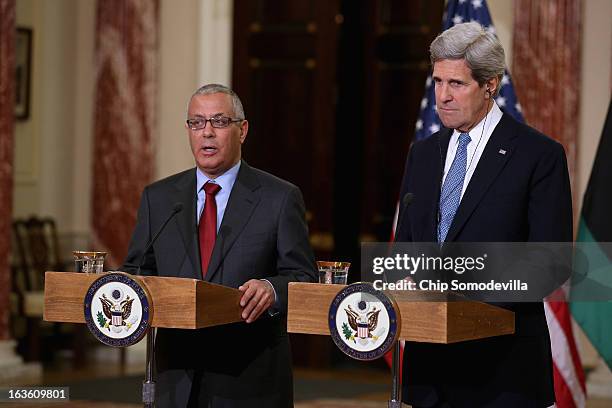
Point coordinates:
pixel 431 317
pixel 178 303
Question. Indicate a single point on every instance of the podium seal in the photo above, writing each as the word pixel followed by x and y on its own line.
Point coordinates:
pixel 363 321
pixel 118 309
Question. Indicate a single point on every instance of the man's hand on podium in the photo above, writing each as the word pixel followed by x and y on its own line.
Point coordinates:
pixel 258 296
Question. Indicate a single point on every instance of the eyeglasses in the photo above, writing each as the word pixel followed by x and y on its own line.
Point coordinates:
pixel 218 122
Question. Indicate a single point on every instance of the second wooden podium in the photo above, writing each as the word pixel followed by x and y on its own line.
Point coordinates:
pixel 431 317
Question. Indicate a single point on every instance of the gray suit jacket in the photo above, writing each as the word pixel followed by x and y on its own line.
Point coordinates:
pixel 263 235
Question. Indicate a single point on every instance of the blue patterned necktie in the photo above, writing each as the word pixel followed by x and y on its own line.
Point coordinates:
pixel 450 196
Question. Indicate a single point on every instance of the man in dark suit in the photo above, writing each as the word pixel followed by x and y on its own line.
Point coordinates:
pixel 483 178
pixel 239 227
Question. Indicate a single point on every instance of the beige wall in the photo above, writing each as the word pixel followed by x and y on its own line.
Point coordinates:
pixel 82 146
pixel 596 82
pixel 44 144
pixel 195 49
pixel 502 13
pixel 178 78
pixel 215 48
pixel 27 145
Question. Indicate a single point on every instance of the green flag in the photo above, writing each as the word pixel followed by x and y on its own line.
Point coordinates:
pixel 591 303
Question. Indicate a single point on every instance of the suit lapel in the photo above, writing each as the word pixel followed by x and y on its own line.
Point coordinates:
pixel 186 219
pixel 445 137
pixel 489 166
pixel 240 206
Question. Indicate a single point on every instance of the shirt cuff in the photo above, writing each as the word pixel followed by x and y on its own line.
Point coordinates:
pixel 274 309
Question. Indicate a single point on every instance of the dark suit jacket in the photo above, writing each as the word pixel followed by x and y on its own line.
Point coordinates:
pixel 263 235
pixel 520 196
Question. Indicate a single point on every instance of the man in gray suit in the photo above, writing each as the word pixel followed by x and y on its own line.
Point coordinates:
pixel 236 226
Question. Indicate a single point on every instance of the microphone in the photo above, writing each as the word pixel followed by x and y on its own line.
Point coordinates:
pixel 177 208
pixel 406 201
pixel 442 164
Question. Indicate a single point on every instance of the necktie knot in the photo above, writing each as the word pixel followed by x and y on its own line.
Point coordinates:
pixel 211 189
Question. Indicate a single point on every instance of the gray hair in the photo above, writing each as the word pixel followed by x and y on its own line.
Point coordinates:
pixel 481 50
pixel 217 88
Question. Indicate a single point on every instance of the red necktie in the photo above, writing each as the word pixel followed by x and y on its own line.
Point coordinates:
pixel 207 230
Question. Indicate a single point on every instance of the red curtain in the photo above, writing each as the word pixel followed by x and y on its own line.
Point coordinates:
pixel 546 69
pixel 124 118
pixel 7 122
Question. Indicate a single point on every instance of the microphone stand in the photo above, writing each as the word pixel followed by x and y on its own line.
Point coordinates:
pixel 148 385
pixel 396 390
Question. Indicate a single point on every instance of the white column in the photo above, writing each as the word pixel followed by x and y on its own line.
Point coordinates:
pixel 215 41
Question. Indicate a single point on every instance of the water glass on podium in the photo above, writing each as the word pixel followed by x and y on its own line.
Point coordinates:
pixel 89 261
pixel 333 272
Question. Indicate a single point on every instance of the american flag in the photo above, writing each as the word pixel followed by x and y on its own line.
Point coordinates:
pixel 570 389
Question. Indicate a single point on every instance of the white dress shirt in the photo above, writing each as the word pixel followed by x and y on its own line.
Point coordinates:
pixel 226 181
pixel 479 135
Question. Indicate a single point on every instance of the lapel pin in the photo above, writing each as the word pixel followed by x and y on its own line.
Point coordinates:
pixel 502 151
